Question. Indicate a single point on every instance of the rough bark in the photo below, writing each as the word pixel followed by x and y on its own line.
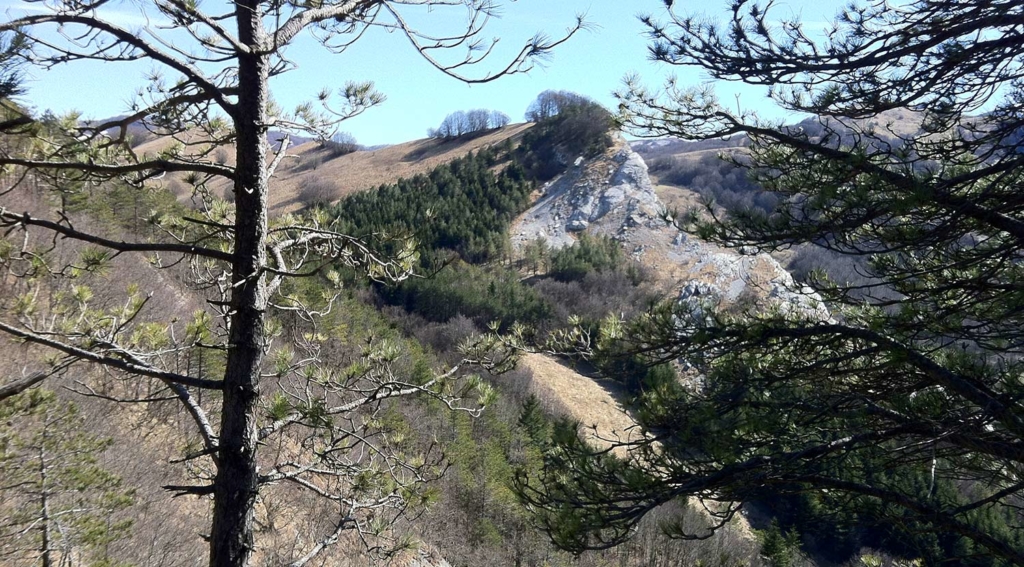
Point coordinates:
pixel 44 507
pixel 19 386
pixel 235 485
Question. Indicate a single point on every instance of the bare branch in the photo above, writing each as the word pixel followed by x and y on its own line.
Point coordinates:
pixel 150 168
pixel 18 386
pixel 111 362
pixel 8 219
pixel 125 37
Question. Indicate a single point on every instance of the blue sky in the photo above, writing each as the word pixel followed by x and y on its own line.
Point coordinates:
pixel 418 97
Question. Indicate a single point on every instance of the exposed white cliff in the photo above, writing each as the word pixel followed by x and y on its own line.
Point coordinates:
pixel 612 195
pixel 602 196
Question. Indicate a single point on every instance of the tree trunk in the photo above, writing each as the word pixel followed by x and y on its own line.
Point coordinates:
pixel 235 486
pixel 44 505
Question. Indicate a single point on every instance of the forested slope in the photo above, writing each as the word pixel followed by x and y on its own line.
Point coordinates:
pixel 474 518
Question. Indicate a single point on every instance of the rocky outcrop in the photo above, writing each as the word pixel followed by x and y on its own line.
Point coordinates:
pixel 613 196
pixel 602 196
pixel 732 279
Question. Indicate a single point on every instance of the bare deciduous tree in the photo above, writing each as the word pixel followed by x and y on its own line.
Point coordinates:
pixel 463 123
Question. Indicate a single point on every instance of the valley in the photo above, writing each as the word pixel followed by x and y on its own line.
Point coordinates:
pixel 764 314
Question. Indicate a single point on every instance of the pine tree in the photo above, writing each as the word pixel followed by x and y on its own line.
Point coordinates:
pixel 779 548
pixel 57 501
pixel 213 66
pixel 915 373
pixel 533 421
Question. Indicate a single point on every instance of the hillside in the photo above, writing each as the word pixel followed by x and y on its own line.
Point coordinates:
pixel 325 174
pixel 483 454
pixel 789 338
pixel 606 199
pixel 612 196
pixel 684 172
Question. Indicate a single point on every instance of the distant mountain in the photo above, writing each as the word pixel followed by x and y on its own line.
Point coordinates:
pixel 139 134
pixel 275 137
pixel 661 147
pixel 888 125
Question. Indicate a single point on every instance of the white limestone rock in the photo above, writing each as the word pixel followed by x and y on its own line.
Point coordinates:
pixel 601 196
pixel 613 196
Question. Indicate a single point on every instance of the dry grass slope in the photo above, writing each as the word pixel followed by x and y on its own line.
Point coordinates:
pixel 595 403
pixel 309 163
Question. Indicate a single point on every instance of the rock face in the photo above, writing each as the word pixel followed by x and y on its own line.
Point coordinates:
pixel 727 278
pixel 612 196
pixel 602 196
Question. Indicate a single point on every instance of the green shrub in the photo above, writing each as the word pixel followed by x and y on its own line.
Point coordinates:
pixel 588 254
pixel 482 294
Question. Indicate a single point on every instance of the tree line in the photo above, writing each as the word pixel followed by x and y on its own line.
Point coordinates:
pixel 463 123
pixel 462 206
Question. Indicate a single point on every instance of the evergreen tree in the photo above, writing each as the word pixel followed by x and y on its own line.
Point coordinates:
pixel 209 87
pixel 778 548
pixel 13 46
pixel 905 405
pixel 56 500
pixel 534 422
pixel 535 255
pixel 588 254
